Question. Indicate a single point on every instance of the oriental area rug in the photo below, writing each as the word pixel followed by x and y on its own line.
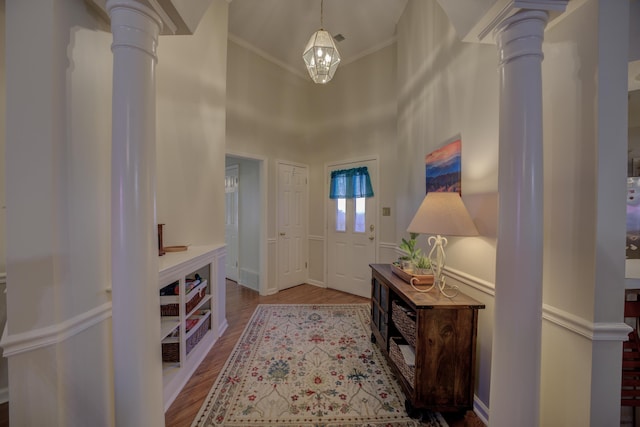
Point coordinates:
pixel 307 366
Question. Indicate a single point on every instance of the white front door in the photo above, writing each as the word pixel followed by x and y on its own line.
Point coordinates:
pixel 231 221
pixel 351 240
pixel 292 225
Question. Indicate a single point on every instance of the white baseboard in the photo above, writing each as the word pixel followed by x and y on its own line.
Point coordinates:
pixel 316 283
pixel 481 410
pixel 249 278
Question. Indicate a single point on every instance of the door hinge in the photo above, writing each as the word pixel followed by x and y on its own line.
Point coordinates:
pixel 305 265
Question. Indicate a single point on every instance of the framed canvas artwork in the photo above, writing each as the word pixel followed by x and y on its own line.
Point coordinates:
pixel 443 168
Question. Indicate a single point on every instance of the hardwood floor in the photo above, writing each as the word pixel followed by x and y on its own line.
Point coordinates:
pixel 241 302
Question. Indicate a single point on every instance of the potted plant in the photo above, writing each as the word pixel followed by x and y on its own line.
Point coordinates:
pixel 410 251
pixel 422 265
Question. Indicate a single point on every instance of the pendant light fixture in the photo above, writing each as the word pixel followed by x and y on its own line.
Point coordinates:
pixel 321 55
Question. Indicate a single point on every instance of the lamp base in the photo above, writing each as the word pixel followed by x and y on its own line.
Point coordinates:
pixel 438 259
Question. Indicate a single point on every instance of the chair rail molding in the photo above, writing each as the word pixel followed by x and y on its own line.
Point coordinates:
pixel 475 21
pixel 179 17
pixel 13 344
pixel 481 285
pixel 594 331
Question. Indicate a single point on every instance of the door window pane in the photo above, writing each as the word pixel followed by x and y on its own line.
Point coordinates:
pixel 359 215
pixel 341 214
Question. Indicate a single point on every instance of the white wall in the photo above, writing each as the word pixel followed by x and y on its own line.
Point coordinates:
pixel 191 100
pixel 448 88
pixel 4 380
pixel 58 136
pixel 355 118
pixel 585 157
pixel 2 137
pixel 58 166
pixel 267 117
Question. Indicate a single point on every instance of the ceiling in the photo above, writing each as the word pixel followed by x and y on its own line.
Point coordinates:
pixel 280 29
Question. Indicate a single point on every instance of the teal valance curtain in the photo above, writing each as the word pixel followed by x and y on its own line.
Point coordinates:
pixel 350 184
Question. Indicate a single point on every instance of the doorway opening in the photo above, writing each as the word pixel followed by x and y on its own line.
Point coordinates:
pixel 245 221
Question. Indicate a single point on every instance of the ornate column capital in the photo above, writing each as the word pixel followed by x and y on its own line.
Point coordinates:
pixel 134 25
pixel 521 35
pixel 475 21
pixel 176 16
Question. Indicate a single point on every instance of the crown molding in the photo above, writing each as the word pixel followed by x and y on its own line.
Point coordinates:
pixel 475 21
pixel 179 17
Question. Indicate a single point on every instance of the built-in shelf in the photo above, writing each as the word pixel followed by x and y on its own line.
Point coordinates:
pixel 200 309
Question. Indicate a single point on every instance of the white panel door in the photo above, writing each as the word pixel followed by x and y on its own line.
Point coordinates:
pixel 292 225
pixel 351 237
pixel 231 221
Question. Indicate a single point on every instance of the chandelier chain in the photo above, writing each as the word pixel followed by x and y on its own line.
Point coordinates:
pixel 321 13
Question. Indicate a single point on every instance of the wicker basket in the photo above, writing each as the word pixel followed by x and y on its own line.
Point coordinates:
pixel 405 320
pixel 408 372
pixel 201 330
pixel 169 304
pixel 169 309
pixel 195 296
pixel 171 351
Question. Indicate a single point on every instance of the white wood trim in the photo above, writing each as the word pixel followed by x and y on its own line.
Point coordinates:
pixel 13 344
pixel 388 245
pixel 3 278
pixel 481 410
pixel 472 281
pixel 263 171
pixel 173 263
pixel 223 327
pixel 595 331
pixel 316 283
pixel 598 331
pixel 240 42
pixel 316 238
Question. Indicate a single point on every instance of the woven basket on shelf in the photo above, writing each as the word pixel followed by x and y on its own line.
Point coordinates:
pixel 171 352
pixel 405 321
pixel 204 327
pixel 169 310
pixel 408 372
pixel 196 296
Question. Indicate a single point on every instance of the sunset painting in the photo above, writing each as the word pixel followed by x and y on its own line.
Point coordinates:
pixel 443 168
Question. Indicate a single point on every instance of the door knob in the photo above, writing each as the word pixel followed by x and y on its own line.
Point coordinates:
pixel 283 234
pixel 371 237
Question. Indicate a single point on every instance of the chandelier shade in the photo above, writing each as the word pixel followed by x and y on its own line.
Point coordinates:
pixel 321 57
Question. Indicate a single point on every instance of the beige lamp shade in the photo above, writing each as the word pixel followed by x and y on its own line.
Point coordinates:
pixel 444 214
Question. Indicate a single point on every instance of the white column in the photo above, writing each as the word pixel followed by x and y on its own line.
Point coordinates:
pixel 134 253
pixel 515 369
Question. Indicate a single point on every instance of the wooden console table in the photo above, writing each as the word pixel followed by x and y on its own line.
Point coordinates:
pixel 439 332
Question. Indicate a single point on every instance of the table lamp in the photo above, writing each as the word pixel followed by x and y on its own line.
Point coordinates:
pixel 442 213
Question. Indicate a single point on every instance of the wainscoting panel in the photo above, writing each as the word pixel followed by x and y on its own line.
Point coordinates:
pixel 388 252
pixel 316 260
pixel 271 286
